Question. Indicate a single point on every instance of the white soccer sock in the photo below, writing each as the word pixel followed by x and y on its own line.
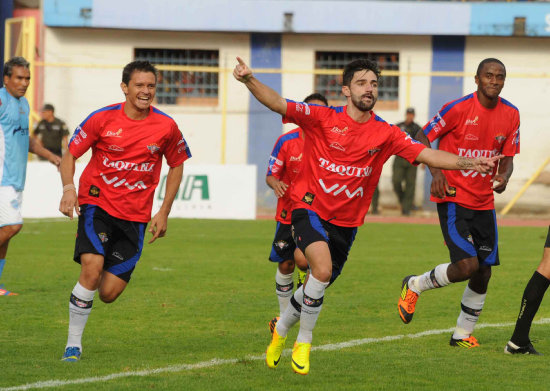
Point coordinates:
pixel 436 278
pixel 291 316
pixel 471 306
pixel 311 307
pixel 80 306
pixel 284 284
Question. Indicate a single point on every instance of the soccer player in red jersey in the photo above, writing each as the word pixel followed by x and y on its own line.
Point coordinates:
pixel 284 165
pixel 344 151
pixel 478 124
pixel 116 189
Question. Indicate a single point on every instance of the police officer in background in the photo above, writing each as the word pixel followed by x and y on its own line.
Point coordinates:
pixel 51 132
pixel 404 173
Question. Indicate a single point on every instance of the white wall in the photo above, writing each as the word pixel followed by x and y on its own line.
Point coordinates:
pixel 78 91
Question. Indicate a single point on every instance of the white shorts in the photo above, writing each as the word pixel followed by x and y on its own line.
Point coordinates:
pixel 10 206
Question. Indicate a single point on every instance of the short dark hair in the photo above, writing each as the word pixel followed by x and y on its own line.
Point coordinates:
pixel 142 66
pixel 488 61
pixel 15 62
pixel 359 65
pixel 316 96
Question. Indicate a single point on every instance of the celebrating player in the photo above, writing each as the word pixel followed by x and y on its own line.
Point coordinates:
pixel 478 124
pixel 116 190
pixel 530 302
pixel 284 165
pixel 344 150
pixel 14 149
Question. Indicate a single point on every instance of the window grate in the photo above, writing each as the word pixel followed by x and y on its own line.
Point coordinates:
pixel 331 85
pixel 173 86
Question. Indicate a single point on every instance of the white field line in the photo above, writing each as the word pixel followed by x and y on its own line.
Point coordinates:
pixel 217 361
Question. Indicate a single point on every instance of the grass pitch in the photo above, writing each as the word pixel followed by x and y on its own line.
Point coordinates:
pixel 206 292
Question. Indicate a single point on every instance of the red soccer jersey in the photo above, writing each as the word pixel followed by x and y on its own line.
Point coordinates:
pixel 284 164
pixel 124 170
pixel 342 160
pixel 466 128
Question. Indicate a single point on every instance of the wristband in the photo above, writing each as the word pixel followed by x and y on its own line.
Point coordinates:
pixel 69 187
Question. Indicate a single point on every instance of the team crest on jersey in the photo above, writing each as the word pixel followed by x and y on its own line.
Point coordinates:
pixel 308 198
pixel 372 151
pixel 500 138
pixel 153 148
pixel 103 237
pixel 471 137
pixel 470 239
pixel 283 214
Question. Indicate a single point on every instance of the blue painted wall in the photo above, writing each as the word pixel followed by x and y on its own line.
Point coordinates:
pixel 447 55
pixel 498 18
pixel 264 126
pixel 69 13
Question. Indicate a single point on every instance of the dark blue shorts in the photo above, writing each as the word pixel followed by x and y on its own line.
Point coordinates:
pixel 308 227
pixel 469 233
pixel 283 245
pixel 547 244
pixel 119 241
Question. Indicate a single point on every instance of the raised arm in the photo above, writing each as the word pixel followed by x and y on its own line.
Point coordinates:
pixel 265 95
pixel 449 161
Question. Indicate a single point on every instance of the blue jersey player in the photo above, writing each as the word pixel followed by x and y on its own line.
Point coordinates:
pixel 14 148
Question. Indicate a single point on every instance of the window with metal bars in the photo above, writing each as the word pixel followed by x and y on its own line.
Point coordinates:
pixel 331 85
pixel 182 87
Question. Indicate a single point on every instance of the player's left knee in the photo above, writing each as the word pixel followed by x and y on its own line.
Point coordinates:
pixel 109 296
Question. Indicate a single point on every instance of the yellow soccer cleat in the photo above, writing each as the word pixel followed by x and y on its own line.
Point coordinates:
pixel 274 350
pixel 301 277
pixel 300 357
pixel 272 324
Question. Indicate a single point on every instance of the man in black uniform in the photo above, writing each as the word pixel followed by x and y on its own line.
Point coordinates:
pixel 404 173
pixel 51 132
pixel 530 302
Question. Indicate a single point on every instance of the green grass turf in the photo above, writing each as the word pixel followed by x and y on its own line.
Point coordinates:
pixel 217 298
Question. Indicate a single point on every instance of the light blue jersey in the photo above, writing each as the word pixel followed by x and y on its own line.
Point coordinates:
pixel 14 140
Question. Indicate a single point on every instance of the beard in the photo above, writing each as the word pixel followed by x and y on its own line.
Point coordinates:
pixel 363 106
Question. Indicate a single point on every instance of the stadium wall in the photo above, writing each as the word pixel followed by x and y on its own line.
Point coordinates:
pixel 98 55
